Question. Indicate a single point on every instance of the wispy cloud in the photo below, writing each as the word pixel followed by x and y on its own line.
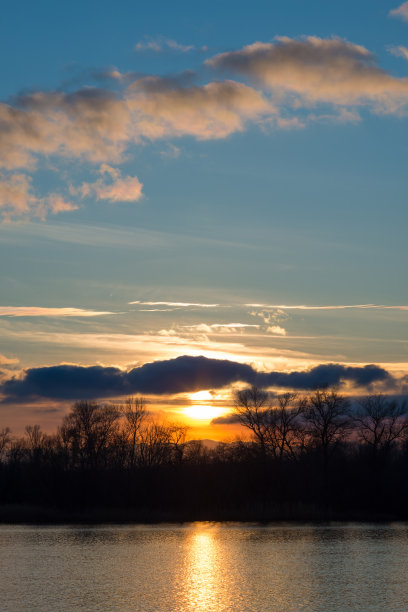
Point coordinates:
pixel 160 44
pixel 207 328
pixel 37 311
pixel 7 360
pixel 399 51
pixel 336 307
pixel 400 12
pixel 176 304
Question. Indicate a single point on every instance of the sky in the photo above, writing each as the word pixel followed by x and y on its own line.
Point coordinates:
pixel 195 197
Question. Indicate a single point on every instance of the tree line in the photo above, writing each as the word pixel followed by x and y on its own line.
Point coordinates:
pixel 306 456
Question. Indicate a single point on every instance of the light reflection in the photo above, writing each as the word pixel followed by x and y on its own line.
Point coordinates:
pixel 203 584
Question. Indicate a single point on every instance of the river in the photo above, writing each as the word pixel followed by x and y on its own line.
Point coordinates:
pixel 205 567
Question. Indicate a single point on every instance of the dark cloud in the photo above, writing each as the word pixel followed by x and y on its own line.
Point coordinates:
pixel 228 419
pixel 324 375
pixel 183 374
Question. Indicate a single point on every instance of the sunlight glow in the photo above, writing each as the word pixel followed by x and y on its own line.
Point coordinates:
pixel 202 412
pixel 201 396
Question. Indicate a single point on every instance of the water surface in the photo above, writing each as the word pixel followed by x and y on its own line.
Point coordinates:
pixel 205 567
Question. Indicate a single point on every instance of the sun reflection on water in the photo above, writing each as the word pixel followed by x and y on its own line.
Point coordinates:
pixel 203 584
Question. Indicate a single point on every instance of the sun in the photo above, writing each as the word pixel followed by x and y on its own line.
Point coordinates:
pixel 200 411
pixel 201 396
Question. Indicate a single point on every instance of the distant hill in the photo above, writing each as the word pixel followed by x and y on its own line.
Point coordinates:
pixel 210 444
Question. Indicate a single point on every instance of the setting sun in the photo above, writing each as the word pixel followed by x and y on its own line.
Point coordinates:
pixel 201 396
pixel 203 412
pixel 200 411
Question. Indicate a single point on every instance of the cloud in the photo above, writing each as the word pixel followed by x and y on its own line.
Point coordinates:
pixel 17 199
pixel 172 152
pixel 57 204
pixel 401 12
pixel 126 189
pixel 176 304
pixel 217 327
pixel 7 360
pixel 276 330
pixel 36 311
pixel 179 375
pixel 399 51
pixel 284 307
pixel 210 111
pixel 6 365
pixel 90 123
pixel 284 80
pixel 15 195
pixel 98 126
pixel 227 419
pixel 162 45
pixel 317 70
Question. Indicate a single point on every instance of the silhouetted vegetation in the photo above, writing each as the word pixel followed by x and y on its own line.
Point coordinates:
pixel 309 457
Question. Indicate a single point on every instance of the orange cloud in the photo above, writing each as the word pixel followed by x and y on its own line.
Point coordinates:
pixel 285 79
pixel 126 189
pixel 215 110
pixel 318 70
pixel 18 200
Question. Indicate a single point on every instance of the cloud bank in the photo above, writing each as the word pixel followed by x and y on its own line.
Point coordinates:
pixel 180 375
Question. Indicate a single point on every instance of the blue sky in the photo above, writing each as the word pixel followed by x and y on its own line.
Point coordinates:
pixel 248 155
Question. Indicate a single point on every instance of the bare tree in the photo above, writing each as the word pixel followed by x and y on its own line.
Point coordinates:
pixel 154 444
pixel 134 413
pixel 34 442
pixel 178 437
pixel 285 432
pixel 327 419
pixel 381 423
pixel 88 431
pixel 5 442
pixel 275 424
pixel 251 407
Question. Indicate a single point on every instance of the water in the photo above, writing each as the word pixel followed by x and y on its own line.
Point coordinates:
pixel 204 567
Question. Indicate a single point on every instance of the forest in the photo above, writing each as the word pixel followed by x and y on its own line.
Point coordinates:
pixel 317 456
